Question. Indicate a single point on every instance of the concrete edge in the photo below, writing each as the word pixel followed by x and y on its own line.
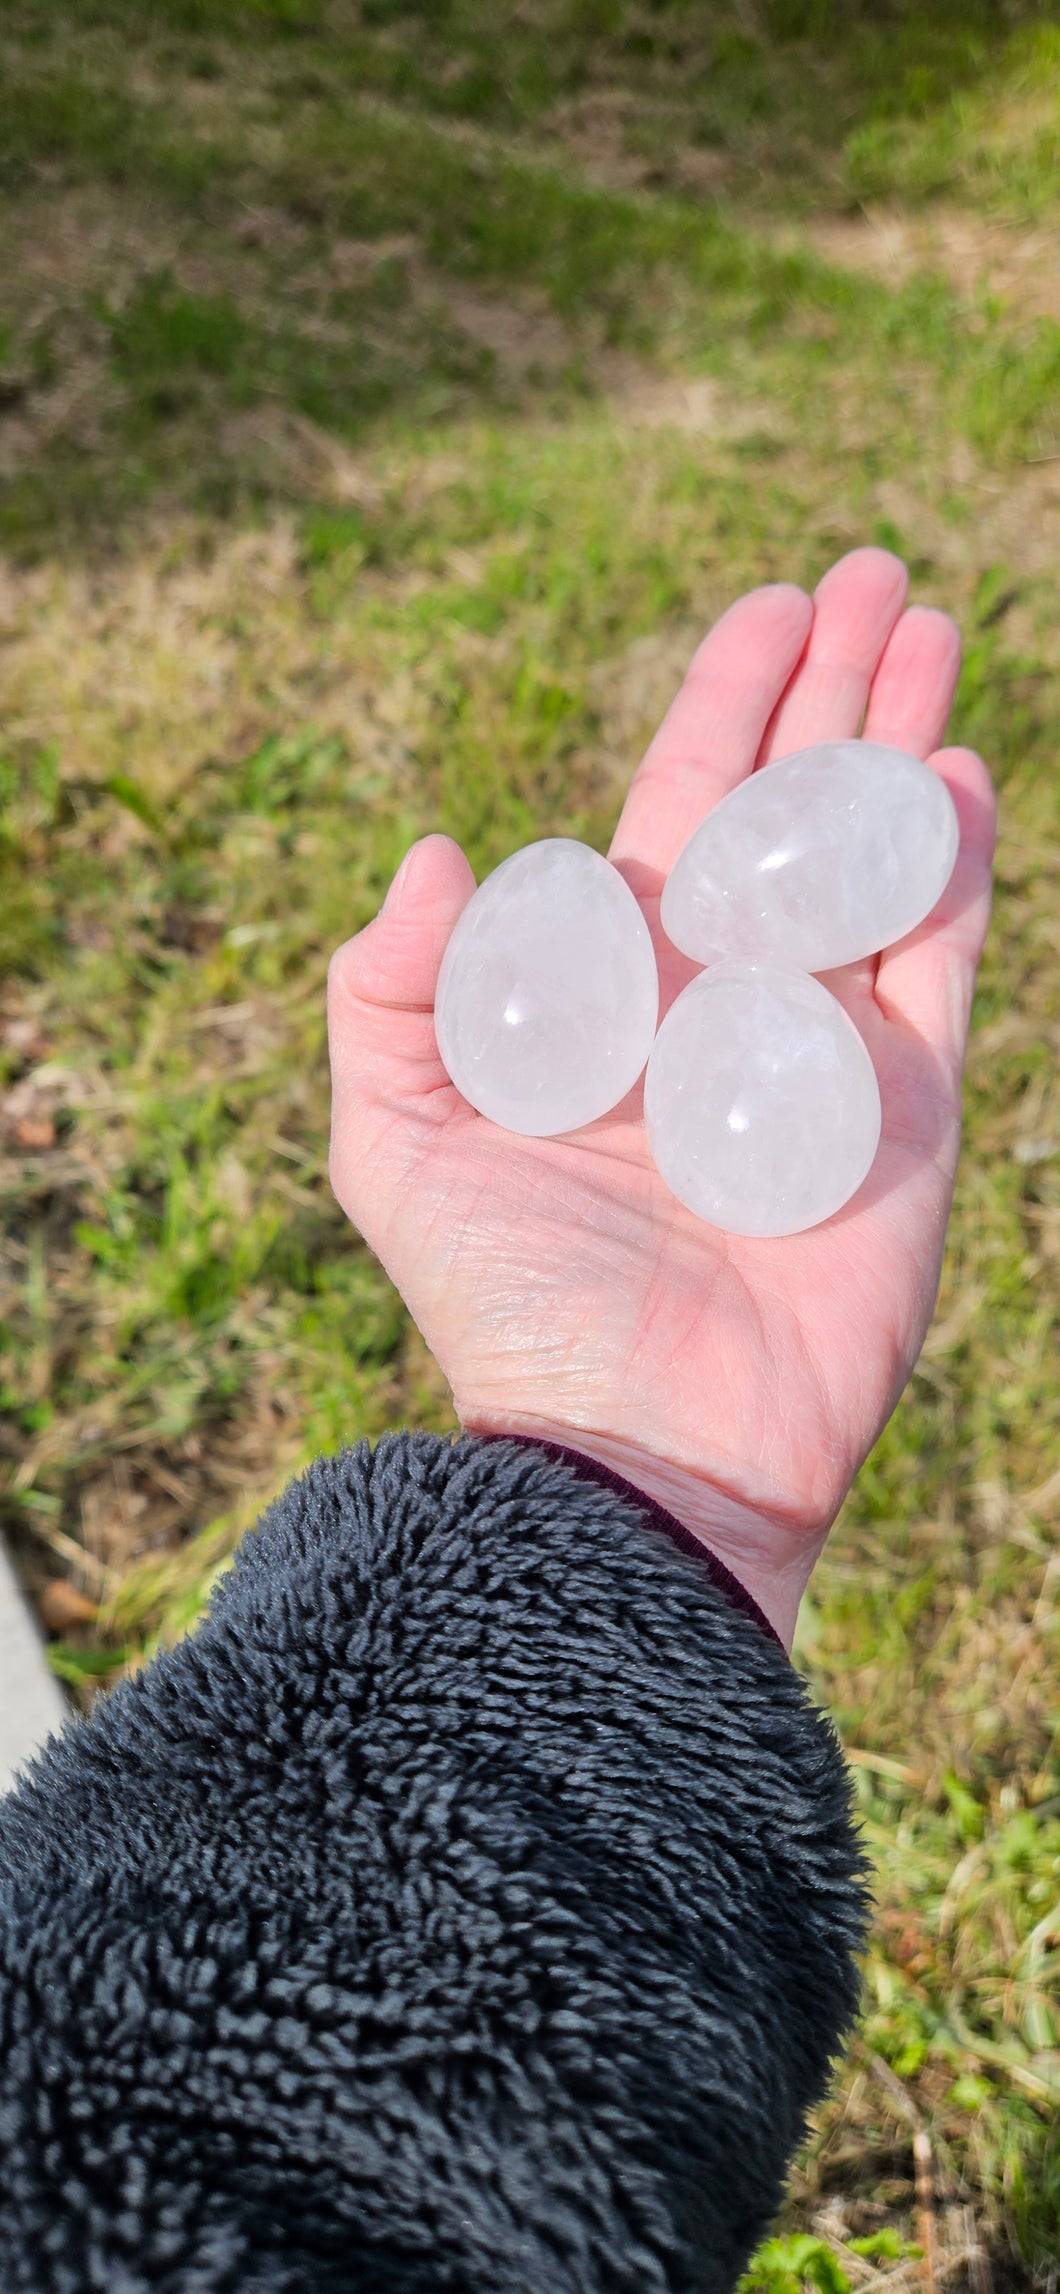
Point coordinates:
pixel 32 1705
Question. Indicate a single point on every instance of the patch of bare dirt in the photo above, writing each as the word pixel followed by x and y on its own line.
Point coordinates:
pixel 353 261
pixel 975 254
pixel 74 247
pixel 77 241
pixel 299 454
pixel 526 339
pixel 74 409
pixel 647 400
pixel 621 141
pixel 594 131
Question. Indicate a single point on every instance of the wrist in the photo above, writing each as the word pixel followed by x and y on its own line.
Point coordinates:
pixel 770 1559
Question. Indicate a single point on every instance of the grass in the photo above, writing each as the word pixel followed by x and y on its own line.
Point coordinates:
pixel 385 407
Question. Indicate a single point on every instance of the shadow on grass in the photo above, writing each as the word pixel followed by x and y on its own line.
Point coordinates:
pixel 276 216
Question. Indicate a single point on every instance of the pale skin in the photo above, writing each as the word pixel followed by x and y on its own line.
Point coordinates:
pixel 564 1291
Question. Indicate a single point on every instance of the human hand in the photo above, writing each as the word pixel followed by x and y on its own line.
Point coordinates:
pixel 565 1292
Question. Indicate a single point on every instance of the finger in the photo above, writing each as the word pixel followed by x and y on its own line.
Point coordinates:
pixel 710 736
pixel 855 608
pixel 912 691
pixel 926 981
pixel 385 1066
pixel 909 704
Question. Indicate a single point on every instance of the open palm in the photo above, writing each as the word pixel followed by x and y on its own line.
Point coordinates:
pixel 561 1286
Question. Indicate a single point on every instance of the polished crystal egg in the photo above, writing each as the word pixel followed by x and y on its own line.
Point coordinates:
pixel 548 994
pixel 822 857
pixel 761 1102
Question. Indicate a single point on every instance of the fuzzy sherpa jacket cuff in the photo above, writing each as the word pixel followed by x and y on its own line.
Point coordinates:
pixel 470 1903
pixel 591 1469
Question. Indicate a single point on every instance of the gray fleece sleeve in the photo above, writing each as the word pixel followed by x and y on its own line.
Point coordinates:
pixel 470 1903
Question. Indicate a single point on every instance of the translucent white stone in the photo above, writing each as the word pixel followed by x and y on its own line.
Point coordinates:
pixel 820 858
pixel 761 1102
pixel 548 994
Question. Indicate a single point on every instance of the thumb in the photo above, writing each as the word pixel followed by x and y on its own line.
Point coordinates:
pixel 393 964
pixel 381 1040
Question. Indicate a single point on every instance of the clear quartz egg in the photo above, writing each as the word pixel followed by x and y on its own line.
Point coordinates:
pixel 548 993
pixel 822 857
pixel 761 1102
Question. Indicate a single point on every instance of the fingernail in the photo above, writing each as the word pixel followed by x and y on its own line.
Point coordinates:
pixel 394 893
